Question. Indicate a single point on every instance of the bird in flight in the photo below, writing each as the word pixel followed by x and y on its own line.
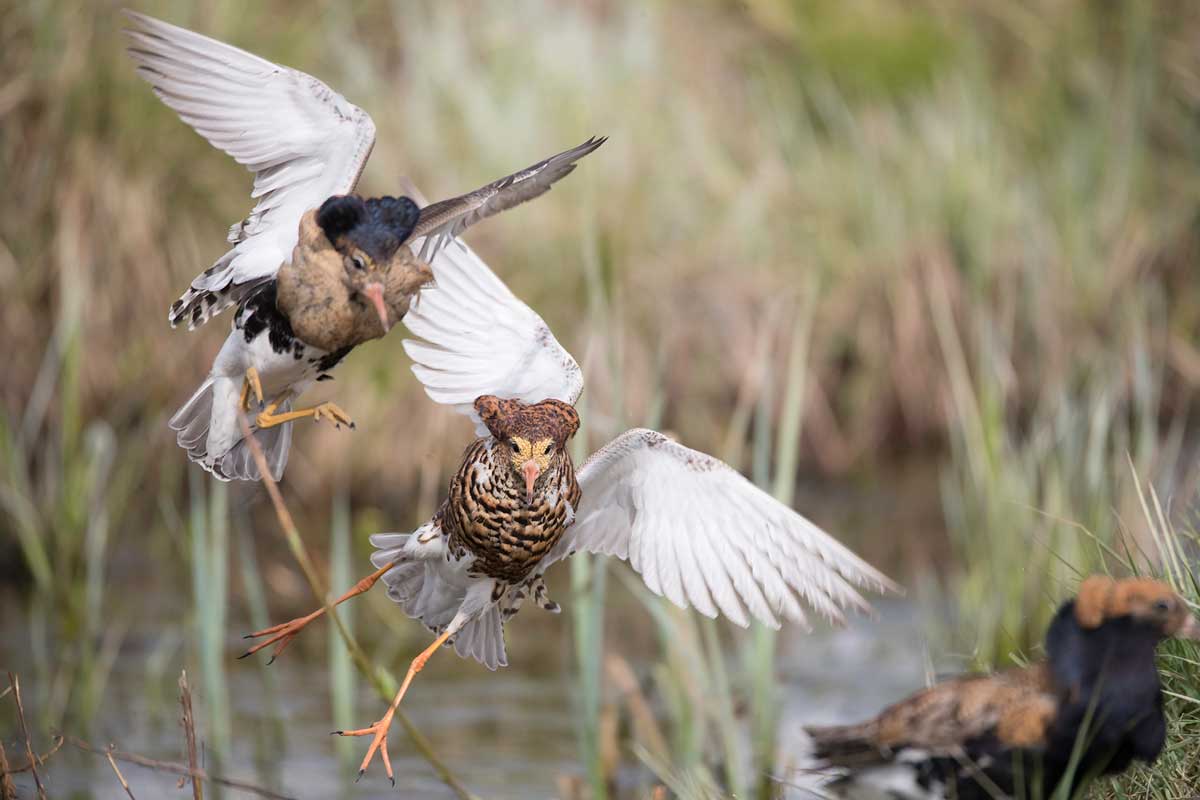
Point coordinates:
pixel 1092 707
pixel 696 530
pixel 314 270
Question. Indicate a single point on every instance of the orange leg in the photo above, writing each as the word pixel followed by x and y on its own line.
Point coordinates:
pixel 251 383
pixel 269 419
pixel 380 729
pixel 284 632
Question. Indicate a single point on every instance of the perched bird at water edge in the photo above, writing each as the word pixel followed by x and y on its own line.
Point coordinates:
pixel 696 530
pixel 313 271
pixel 1013 734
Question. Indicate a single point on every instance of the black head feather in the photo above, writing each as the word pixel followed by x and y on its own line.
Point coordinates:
pixel 399 214
pixel 340 214
pixel 377 226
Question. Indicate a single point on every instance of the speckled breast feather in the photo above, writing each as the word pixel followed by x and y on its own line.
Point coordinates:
pixel 486 514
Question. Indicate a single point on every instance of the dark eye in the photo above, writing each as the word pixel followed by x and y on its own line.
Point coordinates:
pixel 550 449
pixel 359 262
pixel 1162 606
pixel 513 444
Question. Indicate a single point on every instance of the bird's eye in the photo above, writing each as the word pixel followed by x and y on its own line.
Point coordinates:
pixel 359 262
pixel 550 449
pixel 1162 606
pixel 513 444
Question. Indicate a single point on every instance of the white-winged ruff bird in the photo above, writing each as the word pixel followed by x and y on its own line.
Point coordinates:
pixel 696 530
pixel 314 271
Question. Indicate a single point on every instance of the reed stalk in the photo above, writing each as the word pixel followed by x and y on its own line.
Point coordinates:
pixel 378 676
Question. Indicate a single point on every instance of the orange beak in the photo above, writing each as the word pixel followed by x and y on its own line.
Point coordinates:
pixel 531 472
pixel 374 292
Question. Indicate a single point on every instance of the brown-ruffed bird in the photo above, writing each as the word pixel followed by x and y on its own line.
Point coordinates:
pixel 1012 734
pixel 696 530
pixel 309 285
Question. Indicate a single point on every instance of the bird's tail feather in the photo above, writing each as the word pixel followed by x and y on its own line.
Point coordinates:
pixel 423 594
pixel 194 422
pixel 191 421
pixel 846 745
pixel 276 442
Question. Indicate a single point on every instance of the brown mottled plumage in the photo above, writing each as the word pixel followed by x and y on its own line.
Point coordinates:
pixel 1096 698
pixel 1016 703
pixel 488 512
pixel 325 307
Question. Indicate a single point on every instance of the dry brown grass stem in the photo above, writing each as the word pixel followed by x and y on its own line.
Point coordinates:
pixel 15 683
pixel 189 731
pixel 6 769
pixel 319 590
pixel 645 725
pixel 196 774
pixel 112 762
pixel 8 791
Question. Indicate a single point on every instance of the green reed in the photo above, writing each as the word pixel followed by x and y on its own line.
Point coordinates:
pixel 208 528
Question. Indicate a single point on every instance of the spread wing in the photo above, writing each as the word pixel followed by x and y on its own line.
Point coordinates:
pixel 442 222
pixel 477 338
pixel 302 140
pixel 702 535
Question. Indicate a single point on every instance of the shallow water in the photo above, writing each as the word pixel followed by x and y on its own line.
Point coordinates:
pixel 506 735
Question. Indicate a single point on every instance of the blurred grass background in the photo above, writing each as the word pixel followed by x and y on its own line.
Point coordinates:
pixel 928 267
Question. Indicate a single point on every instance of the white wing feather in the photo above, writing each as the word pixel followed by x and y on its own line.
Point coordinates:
pixel 702 535
pixel 477 338
pixel 303 141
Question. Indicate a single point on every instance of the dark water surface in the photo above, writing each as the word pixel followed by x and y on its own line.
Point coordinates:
pixel 510 734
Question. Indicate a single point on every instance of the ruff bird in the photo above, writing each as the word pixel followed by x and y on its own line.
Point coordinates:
pixel 1092 707
pixel 313 271
pixel 696 530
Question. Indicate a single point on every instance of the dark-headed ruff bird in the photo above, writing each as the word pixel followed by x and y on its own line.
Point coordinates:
pixel 696 530
pixel 1012 734
pixel 308 286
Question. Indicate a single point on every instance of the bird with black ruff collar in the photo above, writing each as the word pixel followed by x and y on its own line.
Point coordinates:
pixel 1092 707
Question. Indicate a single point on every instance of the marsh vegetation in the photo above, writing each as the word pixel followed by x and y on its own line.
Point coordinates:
pixel 926 271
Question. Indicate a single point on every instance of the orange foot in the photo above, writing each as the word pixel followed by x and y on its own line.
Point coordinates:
pixel 380 729
pixel 283 633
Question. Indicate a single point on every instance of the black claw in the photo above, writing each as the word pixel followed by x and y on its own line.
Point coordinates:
pixel 353 426
pixel 393 780
pixel 243 655
pixel 248 636
pixel 360 774
pixel 270 661
pixel 336 733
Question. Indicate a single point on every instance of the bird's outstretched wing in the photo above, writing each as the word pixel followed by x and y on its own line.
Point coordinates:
pixel 302 140
pixel 702 535
pixel 477 338
pixel 444 221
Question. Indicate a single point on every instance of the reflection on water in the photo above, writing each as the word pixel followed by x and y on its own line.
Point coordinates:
pixel 505 734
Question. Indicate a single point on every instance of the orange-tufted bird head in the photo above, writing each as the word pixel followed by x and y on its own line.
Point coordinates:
pixel 535 435
pixel 1150 602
